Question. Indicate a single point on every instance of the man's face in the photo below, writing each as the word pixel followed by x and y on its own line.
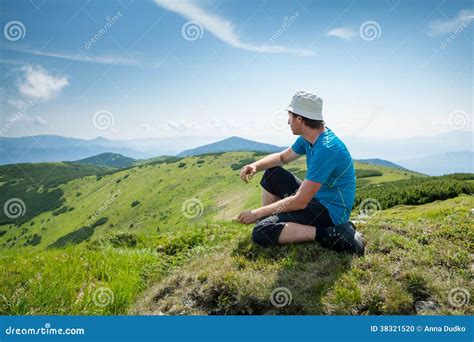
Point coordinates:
pixel 295 123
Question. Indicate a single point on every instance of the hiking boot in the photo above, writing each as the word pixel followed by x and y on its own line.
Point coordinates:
pixel 344 238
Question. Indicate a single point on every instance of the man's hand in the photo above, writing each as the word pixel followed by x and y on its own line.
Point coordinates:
pixel 247 172
pixel 247 217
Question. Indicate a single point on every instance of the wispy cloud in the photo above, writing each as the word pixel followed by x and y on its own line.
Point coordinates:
pixel 342 33
pixel 222 28
pixel 39 121
pixel 178 125
pixel 79 57
pixel 38 83
pixel 441 27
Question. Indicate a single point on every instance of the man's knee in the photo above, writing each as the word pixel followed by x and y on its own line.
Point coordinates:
pixel 271 171
pixel 267 234
pixel 270 176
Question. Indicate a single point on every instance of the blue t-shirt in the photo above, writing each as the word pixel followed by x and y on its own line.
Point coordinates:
pixel 330 163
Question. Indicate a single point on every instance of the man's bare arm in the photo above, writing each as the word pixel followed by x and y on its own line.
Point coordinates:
pixel 298 201
pixel 276 159
pixel 272 160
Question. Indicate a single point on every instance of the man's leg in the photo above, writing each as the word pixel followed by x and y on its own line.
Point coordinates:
pixel 341 237
pixel 296 226
pixel 279 182
pixel 268 198
pixel 296 232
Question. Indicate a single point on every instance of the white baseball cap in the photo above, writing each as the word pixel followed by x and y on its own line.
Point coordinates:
pixel 307 104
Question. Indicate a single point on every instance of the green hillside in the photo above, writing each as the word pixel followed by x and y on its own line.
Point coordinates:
pixel 33 188
pixel 162 232
pixel 113 160
pixel 163 194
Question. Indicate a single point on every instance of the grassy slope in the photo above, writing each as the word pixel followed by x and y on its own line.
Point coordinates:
pixel 409 268
pixel 35 185
pixel 38 281
pixel 161 190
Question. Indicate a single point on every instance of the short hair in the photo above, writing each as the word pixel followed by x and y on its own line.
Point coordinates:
pixel 317 124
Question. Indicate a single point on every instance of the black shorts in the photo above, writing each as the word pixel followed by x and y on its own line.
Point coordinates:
pixel 283 183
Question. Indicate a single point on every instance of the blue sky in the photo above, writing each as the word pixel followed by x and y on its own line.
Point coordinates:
pixel 151 69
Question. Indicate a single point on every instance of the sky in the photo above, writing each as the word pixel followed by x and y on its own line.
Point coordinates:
pixel 135 69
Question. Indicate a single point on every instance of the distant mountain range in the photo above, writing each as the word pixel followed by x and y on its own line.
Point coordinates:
pixel 113 160
pixel 444 153
pixel 441 164
pixel 410 148
pixel 51 148
pixel 382 162
pixel 232 144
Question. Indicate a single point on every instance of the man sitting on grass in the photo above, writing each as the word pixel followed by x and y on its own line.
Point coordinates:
pixel 318 208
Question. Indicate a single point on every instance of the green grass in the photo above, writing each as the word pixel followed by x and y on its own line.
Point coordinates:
pixel 68 280
pixel 34 186
pixel 160 237
pixel 417 190
pixel 409 268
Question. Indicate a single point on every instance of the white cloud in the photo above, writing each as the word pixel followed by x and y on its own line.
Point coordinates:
pixel 80 57
pixel 39 121
pixel 178 125
pixel 38 83
pixel 222 28
pixel 88 59
pixel 17 104
pixel 440 27
pixel 341 32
